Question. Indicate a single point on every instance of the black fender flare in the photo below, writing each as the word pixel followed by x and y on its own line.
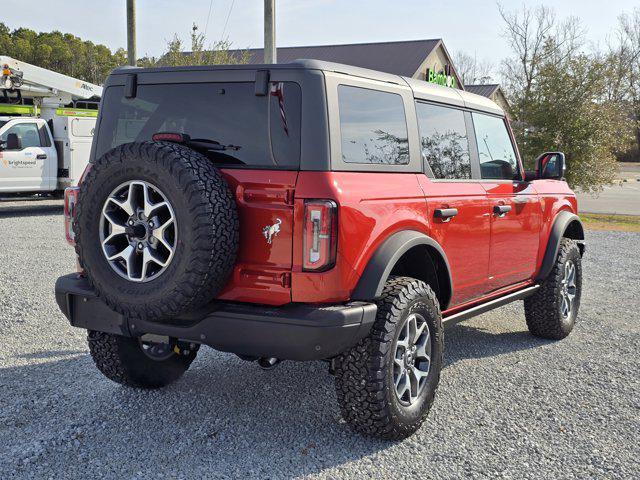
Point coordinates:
pixel 381 264
pixel 565 221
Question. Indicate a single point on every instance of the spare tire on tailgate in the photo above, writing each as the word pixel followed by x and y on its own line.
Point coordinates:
pixel 156 229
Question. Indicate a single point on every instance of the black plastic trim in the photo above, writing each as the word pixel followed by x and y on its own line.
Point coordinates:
pixel 262 83
pixel 290 332
pixel 445 212
pixel 491 304
pixel 384 259
pixel 131 86
pixel 560 225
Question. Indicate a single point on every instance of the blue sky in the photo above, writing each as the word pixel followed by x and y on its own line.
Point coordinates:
pixel 472 26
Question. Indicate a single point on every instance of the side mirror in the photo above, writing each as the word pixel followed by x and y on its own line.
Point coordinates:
pixel 551 165
pixel 13 142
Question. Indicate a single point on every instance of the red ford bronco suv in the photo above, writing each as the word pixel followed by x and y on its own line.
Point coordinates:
pixel 310 211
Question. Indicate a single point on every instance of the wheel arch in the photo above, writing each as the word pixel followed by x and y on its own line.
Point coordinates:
pixel 407 253
pixel 565 225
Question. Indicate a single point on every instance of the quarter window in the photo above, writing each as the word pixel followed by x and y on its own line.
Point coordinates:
pixel 373 127
pixel 444 141
pixel 497 156
pixel 27 133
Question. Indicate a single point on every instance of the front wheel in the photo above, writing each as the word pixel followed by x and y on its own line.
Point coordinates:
pixel 135 363
pixel 551 312
pixel 387 382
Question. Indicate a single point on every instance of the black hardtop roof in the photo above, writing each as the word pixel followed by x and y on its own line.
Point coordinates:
pixel 300 64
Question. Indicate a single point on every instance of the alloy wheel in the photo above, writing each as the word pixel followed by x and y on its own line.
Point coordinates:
pixel 138 231
pixel 412 359
pixel 568 289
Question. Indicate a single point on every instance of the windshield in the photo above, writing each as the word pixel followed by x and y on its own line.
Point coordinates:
pixel 3 123
pixel 225 121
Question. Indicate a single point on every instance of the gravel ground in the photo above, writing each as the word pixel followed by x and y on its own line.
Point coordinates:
pixel 509 405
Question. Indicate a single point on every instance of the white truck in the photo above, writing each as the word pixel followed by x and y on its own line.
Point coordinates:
pixel 45 134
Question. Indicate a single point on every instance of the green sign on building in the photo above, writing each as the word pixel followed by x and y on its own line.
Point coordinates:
pixel 441 78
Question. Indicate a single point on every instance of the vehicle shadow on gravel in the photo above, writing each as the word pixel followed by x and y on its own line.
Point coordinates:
pixel 225 417
pixel 31 209
pixel 468 342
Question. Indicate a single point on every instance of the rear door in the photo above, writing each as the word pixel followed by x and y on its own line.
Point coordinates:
pixel 514 205
pixel 252 136
pixel 262 273
pixel 456 202
pixel 80 138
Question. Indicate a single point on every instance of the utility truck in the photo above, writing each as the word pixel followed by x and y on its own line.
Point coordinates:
pixel 46 128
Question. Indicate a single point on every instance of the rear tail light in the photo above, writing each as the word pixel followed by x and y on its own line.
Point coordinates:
pixel 320 235
pixel 70 200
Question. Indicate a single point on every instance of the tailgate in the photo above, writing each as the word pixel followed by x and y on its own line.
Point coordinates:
pixel 265 206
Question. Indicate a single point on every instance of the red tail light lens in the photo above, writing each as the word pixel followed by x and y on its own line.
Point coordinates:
pixel 320 235
pixel 85 172
pixel 70 200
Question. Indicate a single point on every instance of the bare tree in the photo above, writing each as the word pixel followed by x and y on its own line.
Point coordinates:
pixel 473 71
pixel 217 53
pixel 536 36
pixel 558 94
pixel 624 61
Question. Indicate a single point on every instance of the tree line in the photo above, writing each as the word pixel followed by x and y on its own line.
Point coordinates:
pixel 567 95
pixel 61 52
pixel 564 95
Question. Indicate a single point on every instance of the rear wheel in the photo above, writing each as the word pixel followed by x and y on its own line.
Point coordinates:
pixel 551 312
pixel 135 363
pixel 387 382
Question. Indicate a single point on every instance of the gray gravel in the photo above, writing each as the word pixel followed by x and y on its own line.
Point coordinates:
pixel 509 405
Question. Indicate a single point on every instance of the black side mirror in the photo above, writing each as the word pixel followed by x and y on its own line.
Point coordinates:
pixel 13 142
pixel 551 165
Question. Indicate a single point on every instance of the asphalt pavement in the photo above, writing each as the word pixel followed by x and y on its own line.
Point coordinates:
pixel 618 199
pixel 509 405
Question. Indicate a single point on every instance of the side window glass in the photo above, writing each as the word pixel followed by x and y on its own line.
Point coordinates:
pixel 373 127
pixel 26 132
pixel 497 156
pixel 444 141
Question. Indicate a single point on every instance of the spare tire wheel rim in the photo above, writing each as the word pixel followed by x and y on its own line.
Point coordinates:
pixel 138 231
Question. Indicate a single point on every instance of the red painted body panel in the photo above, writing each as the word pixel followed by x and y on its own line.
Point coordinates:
pixel 488 255
pixel 466 237
pixel 371 207
pixel 262 272
pixel 515 237
pixel 555 196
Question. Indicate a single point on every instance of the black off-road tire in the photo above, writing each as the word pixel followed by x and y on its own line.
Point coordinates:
pixel 543 309
pixel 122 360
pixel 364 374
pixel 207 224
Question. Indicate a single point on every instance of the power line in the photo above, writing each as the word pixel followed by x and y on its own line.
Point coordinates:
pixel 227 20
pixel 206 25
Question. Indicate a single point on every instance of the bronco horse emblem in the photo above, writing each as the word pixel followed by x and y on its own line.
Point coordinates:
pixel 271 231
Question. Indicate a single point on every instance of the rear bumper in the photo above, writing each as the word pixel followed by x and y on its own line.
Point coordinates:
pixel 291 332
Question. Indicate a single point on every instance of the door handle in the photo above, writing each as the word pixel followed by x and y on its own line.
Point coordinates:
pixel 445 214
pixel 501 210
pixel 41 156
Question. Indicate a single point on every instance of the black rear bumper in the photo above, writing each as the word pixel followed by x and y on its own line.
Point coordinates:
pixel 290 332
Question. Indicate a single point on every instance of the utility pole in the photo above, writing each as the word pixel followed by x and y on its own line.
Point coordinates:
pixel 131 32
pixel 270 31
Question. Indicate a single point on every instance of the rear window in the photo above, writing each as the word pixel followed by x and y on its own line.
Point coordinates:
pixel 225 121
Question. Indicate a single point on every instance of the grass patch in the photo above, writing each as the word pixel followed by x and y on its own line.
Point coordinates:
pixel 620 223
